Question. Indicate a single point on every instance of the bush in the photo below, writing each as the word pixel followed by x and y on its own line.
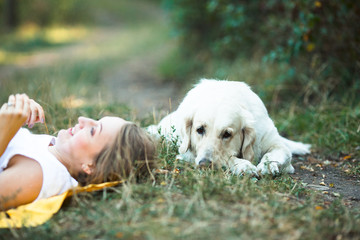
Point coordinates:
pixel 318 39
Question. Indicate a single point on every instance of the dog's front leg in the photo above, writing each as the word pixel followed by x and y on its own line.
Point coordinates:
pixel 275 161
pixel 241 166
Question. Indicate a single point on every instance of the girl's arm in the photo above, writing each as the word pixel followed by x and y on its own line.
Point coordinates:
pixel 20 183
pixel 18 111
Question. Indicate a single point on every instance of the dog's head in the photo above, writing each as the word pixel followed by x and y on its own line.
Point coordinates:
pixel 214 135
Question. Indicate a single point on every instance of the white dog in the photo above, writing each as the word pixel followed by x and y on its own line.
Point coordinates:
pixel 226 124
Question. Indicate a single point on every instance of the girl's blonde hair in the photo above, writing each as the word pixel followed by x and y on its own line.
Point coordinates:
pixel 132 153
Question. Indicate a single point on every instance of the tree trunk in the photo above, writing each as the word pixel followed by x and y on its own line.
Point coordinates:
pixel 10 14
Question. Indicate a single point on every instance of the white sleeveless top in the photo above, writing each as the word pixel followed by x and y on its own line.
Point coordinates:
pixel 56 178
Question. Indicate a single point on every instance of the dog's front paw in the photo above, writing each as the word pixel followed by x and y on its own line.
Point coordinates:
pixel 268 167
pixel 242 166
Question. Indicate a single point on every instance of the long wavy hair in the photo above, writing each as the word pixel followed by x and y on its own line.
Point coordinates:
pixel 131 154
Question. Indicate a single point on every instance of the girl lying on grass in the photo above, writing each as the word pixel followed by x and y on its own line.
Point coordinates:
pixel 35 166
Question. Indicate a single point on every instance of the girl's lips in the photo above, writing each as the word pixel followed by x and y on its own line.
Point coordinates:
pixel 70 131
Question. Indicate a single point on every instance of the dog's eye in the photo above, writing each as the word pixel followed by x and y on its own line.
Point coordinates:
pixel 200 130
pixel 226 135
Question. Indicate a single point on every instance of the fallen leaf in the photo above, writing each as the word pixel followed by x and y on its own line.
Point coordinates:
pixel 307 168
pixel 319 208
pixel 306 37
pixel 317 4
pixel 335 194
pixel 310 47
pixel 119 235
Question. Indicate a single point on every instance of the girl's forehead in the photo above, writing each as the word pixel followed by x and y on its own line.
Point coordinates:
pixel 110 119
pixel 112 123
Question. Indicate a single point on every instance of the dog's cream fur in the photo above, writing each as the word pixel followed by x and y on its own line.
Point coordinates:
pixel 226 123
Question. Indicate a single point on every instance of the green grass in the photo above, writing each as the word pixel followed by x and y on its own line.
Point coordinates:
pixel 185 202
pixel 199 204
pixel 333 126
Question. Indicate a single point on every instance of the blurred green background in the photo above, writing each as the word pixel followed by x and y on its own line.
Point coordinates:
pixel 130 57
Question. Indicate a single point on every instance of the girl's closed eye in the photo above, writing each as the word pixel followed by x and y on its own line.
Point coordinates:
pixel 92 131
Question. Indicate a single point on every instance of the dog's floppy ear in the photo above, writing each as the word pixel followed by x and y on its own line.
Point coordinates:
pixel 185 134
pixel 248 134
pixel 248 140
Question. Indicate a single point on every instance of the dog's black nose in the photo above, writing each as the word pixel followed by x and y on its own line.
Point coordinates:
pixel 205 162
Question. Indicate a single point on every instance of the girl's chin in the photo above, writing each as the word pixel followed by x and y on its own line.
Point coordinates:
pixel 62 132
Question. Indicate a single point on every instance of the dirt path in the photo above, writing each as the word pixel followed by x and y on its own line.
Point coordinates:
pixel 329 178
pixel 138 84
pixel 134 81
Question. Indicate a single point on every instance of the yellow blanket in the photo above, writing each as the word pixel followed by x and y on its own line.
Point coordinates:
pixel 37 213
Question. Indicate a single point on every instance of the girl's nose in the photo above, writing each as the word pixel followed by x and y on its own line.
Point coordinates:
pixel 83 121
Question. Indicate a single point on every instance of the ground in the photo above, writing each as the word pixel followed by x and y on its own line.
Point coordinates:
pixel 329 177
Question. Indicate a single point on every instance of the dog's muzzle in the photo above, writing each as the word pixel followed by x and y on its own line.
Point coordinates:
pixel 205 163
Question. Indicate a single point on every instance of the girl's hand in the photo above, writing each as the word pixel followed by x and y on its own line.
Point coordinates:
pixel 15 112
pixel 21 110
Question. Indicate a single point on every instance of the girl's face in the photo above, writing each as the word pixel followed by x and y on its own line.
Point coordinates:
pixel 78 146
